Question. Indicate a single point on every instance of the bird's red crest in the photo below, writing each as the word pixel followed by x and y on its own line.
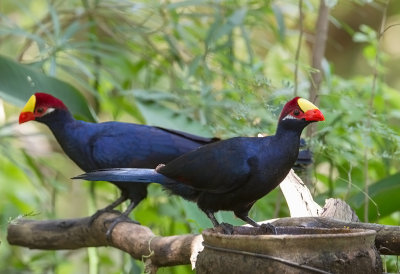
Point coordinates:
pixel 47 100
pixel 301 109
pixel 38 105
pixel 289 106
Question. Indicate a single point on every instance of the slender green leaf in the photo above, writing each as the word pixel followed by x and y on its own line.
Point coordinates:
pixel 56 22
pixel 234 20
pixel 182 4
pixel 281 22
pixel 18 82
pixel 158 115
pixel 385 193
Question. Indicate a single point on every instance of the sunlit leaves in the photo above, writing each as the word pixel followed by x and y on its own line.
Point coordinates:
pixel 383 194
pixel 366 35
pixel 220 68
pixel 18 82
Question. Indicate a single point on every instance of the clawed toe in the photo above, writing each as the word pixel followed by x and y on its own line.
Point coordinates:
pixel 269 228
pixel 227 228
pixel 113 224
pixel 99 212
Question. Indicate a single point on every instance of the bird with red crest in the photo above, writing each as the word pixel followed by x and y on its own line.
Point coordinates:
pixel 110 144
pixel 231 174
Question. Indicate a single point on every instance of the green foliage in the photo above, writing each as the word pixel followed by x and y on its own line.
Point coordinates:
pixel 221 68
pixel 384 194
pixel 19 82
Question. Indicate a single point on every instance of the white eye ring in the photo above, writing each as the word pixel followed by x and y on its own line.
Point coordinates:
pixel 49 110
pixel 289 117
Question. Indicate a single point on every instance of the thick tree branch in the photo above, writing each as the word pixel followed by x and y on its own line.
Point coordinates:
pixel 298 197
pixel 156 251
pixel 318 53
pixel 139 241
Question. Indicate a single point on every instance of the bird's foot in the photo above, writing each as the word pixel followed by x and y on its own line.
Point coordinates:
pixel 227 228
pixel 114 222
pixel 269 228
pixel 99 212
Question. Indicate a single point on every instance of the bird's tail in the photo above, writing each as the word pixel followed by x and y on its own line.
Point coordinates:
pixel 133 175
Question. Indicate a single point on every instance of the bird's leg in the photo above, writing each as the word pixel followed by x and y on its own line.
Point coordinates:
pixel 269 228
pixel 124 217
pixel 211 216
pixel 227 228
pixel 109 208
pixel 247 219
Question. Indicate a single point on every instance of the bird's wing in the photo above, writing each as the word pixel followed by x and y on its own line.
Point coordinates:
pixel 117 149
pixel 219 167
pixel 130 145
pixel 195 138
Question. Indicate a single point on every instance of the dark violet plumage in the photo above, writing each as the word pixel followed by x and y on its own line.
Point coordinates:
pixel 110 144
pixel 231 174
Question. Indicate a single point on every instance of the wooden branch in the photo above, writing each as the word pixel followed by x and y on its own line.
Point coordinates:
pixel 139 241
pixel 318 53
pixel 156 251
pixel 298 49
pixel 298 197
pixel 339 210
pixel 142 244
pixel 302 204
pixel 336 214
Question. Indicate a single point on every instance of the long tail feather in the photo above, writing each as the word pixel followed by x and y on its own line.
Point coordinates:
pixel 136 175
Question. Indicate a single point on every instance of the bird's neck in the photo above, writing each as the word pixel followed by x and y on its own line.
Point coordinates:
pixel 69 134
pixel 62 125
pixel 57 120
pixel 287 138
pixel 290 132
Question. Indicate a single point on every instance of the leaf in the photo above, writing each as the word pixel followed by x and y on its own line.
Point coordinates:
pixel 217 31
pixel 195 216
pixel 158 115
pixel 18 82
pixel 385 193
pixel 237 17
pixel 71 30
pixel 281 22
pixel 188 3
pixel 15 31
pixel 56 22
pixel 331 3
pixel 360 37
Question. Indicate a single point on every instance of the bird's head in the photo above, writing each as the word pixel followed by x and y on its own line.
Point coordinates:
pixel 40 105
pixel 300 109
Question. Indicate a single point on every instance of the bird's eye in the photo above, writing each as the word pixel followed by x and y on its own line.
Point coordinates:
pixel 296 112
pixel 40 110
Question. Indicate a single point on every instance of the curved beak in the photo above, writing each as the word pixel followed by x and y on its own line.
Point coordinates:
pixel 314 115
pixel 311 112
pixel 27 112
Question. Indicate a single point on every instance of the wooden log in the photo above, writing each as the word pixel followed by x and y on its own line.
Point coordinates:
pixel 139 241
pixel 156 251
pixel 298 197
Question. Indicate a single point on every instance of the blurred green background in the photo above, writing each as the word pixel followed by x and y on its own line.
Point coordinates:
pixel 215 68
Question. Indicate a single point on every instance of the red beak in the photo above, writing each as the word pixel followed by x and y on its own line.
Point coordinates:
pixel 314 115
pixel 26 116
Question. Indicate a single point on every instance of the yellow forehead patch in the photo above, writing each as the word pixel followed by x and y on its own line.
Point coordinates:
pixel 305 105
pixel 30 105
